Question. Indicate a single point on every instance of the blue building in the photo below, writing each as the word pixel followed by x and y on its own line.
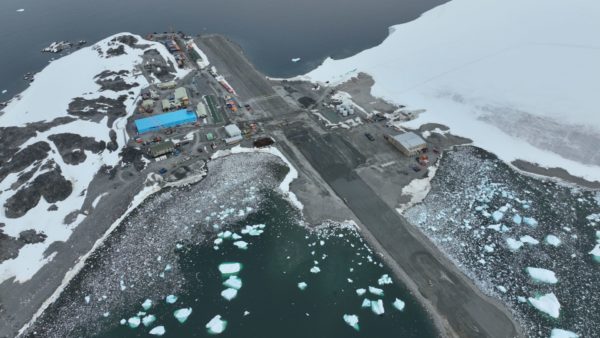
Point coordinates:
pixel 166 120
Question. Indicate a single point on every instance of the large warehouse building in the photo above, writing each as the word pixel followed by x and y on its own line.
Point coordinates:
pixel 166 120
pixel 408 143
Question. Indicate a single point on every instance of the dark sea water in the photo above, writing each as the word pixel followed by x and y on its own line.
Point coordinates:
pixel 170 245
pixel 271 31
pixel 274 263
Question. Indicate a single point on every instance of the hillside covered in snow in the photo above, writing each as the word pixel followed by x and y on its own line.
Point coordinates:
pixel 57 135
pixel 519 78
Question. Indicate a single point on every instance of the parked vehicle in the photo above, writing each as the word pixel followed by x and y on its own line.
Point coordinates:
pixel 370 137
pixel 162 171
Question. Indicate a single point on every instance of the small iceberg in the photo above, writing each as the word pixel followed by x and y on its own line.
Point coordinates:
pixel 497 215
pixel 170 299
pixel 385 279
pixel 21 10
pixel 241 245
pixel 542 275
pixel 560 333
pixel 294 60
pixel 315 269
pixel 148 320
pixel 376 291
pixel 398 304
pixel 377 307
pixel 547 304
pixel 158 331
pixel 302 286
pixel 360 291
pixel 182 314
pixel 233 282
pixel 216 325
pixel 229 294
pixel 352 320
pixel 532 222
pixel 147 304
pixel 596 253
pixel 230 268
pixel 513 244
pixel 517 219
pixel 133 322
pixel 529 240
pixel 366 303
pixel 552 240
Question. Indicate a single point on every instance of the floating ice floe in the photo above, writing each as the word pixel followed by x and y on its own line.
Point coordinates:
pixel 352 320
pixel 246 313
pixel 148 320
pixel 21 10
pixel 233 282
pixel 532 222
pixel 182 314
pixel 529 240
pixel 366 303
pixel 497 215
pixel 560 333
pixel 106 314
pixel 385 279
pixel 547 304
pixel 375 291
pixel 296 60
pixel 501 288
pixel 542 275
pixel 147 304
pixel 253 230
pixel 218 241
pixel 552 240
pixel 230 268
pixel 517 219
pixel 229 293
pixel 4 91
pixel 216 325
pixel 499 227
pixel 87 299
pixel 377 307
pixel 398 304
pixel 521 299
pixel 315 269
pixel 302 285
pixel 157 331
pixel 596 253
pixel 360 291
pixel 513 244
pixel 133 322
pixel 123 321
pixel 241 245
pixel 170 299
pixel 235 237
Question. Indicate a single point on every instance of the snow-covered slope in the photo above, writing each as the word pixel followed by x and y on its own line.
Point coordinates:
pixel 520 78
pixel 56 136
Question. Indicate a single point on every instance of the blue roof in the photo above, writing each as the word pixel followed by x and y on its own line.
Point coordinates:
pixel 166 120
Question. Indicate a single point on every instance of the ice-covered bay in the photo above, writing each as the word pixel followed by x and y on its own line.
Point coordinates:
pixel 518 263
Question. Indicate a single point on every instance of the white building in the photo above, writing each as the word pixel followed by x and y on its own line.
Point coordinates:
pixel 408 143
pixel 233 130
